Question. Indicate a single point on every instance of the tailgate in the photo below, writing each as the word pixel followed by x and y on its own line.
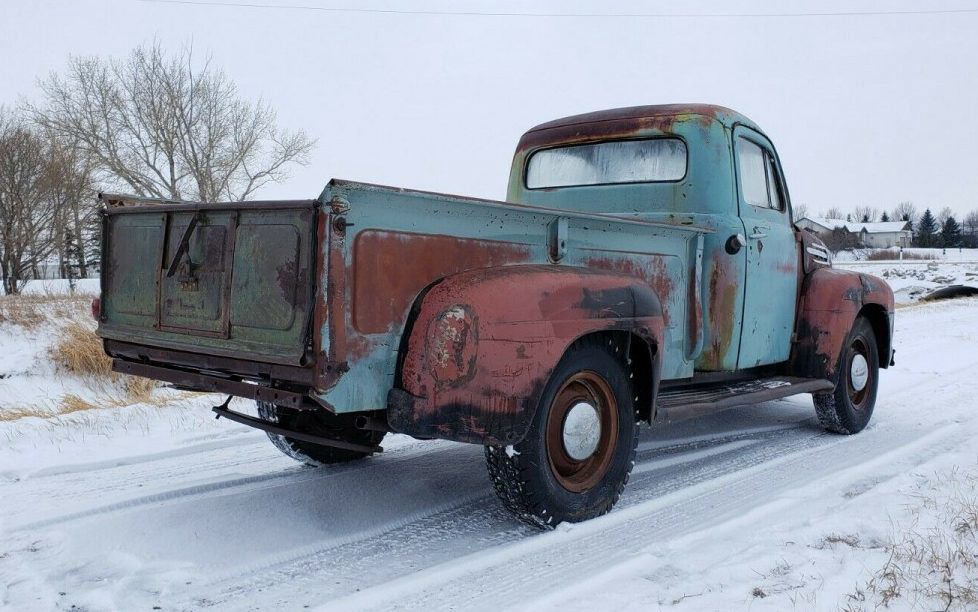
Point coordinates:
pixel 233 280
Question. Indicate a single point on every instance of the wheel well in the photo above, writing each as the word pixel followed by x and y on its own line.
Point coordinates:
pixel 879 320
pixel 641 355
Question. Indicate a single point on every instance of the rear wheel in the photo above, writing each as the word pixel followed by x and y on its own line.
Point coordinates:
pixel 576 457
pixel 849 407
pixel 334 426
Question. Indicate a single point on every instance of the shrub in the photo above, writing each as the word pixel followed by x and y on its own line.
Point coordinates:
pixel 889 255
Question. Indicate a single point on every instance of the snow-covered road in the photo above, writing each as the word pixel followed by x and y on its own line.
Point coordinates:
pixel 196 515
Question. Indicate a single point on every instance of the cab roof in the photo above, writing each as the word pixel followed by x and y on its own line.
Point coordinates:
pixel 637 114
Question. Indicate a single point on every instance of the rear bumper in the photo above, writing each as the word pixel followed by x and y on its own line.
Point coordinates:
pixel 199 381
pixel 275 428
pixel 233 366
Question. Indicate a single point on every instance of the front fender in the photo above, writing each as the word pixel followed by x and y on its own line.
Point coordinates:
pixel 831 299
pixel 484 342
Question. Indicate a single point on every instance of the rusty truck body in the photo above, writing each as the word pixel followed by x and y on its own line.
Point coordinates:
pixel 644 268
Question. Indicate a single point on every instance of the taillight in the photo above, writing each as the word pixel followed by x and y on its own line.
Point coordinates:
pixel 96 307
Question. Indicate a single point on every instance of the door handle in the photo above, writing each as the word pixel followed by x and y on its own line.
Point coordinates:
pixel 735 243
pixel 758 233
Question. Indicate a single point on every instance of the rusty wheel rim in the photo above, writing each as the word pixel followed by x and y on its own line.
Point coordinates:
pixel 857 360
pixel 581 474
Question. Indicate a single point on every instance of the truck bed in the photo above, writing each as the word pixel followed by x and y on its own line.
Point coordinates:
pixel 322 289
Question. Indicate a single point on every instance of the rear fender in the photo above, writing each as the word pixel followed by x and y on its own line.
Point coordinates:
pixel 484 342
pixel 831 299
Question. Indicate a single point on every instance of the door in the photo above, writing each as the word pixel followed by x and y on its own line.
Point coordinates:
pixel 771 289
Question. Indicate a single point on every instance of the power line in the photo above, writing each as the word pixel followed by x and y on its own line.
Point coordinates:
pixel 300 7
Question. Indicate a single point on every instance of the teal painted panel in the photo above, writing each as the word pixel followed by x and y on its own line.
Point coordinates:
pixel 771 286
pixel 633 246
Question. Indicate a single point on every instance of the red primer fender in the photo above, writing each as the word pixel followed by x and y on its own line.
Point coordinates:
pixel 831 299
pixel 484 342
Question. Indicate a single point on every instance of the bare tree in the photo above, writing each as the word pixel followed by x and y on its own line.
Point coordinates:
pixel 168 126
pixel 905 211
pixel 26 209
pixel 73 192
pixel 799 211
pixel 945 214
pixel 866 214
pixel 834 213
pixel 970 224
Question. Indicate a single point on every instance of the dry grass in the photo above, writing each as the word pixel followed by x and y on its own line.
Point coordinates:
pixel 12 413
pixel 139 389
pixel 932 566
pixel 889 255
pixel 29 311
pixel 79 351
pixel 74 403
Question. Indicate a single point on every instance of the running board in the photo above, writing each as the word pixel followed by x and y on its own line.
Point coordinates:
pixel 692 402
pixel 275 428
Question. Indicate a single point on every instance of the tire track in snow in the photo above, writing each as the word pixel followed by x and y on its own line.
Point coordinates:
pixel 294 475
pixel 483 523
pixel 501 577
pixel 290 476
pixel 135 460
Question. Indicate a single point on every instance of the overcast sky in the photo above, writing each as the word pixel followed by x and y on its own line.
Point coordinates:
pixel 864 110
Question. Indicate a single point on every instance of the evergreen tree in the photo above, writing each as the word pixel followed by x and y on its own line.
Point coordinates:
pixel 885 217
pixel 865 218
pixel 926 230
pixel 951 233
pixel 909 222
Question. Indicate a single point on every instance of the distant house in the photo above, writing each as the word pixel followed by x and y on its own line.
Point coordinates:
pixel 880 235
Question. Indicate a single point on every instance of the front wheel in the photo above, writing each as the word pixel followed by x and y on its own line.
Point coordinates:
pixel 849 407
pixel 576 457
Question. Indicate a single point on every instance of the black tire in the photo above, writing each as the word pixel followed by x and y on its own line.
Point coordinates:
pixel 537 479
pixel 337 426
pixel 846 409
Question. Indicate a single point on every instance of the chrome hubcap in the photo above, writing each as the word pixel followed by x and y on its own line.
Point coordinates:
pixel 858 372
pixel 582 431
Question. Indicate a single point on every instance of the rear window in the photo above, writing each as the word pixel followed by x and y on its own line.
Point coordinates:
pixel 604 163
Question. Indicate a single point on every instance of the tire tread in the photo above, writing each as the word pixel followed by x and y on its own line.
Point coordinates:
pixel 513 473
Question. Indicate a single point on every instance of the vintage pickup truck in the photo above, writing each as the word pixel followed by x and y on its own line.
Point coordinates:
pixel 644 268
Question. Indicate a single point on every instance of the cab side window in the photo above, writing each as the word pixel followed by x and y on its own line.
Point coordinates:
pixel 758 179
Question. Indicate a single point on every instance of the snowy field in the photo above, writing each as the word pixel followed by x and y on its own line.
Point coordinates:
pixel 155 505
pixel 913 280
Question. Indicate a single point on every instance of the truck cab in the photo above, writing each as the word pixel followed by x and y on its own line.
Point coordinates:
pixel 713 168
pixel 643 268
